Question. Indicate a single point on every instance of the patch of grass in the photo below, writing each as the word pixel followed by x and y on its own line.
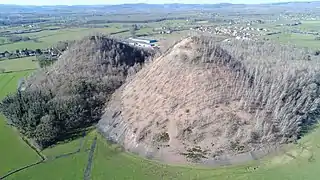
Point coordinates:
pixel 68 168
pixel 70 146
pixel 19 64
pixel 14 151
pixel 300 40
pixel 122 165
pixel 310 25
pixel 9 82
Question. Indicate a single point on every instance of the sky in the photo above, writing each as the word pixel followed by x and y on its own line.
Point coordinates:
pixel 94 2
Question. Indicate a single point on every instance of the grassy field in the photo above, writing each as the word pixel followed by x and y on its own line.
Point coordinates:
pixel 19 64
pixel 296 164
pixel 310 25
pixel 71 146
pixel 48 38
pixel 68 168
pixel 110 163
pixel 300 40
pixel 65 168
pixel 14 152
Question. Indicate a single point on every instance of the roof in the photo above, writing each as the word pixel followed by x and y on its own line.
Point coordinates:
pixel 143 40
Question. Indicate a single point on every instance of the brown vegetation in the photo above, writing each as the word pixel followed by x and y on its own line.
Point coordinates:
pixel 216 97
pixel 69 96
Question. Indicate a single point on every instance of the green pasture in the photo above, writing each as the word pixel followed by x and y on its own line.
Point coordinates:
pixel 310 25
pixel 300 40
pixel 14 151
pixel 299 162
pixel 45 39
pixel 67 168
pixel 13 65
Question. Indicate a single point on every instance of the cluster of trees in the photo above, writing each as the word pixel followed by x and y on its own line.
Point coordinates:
pixel 8 22
pixel 281 91
pixel 15 38
pixel 70 95
pixel 46 60
pixel 46 118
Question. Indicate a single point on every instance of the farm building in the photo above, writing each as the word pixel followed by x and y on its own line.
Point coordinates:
pixel 141 40
pixel 145 43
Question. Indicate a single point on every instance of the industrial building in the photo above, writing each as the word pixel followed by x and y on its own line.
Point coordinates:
pixel 145 43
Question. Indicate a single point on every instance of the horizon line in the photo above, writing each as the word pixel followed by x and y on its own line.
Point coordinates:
pixel 266 3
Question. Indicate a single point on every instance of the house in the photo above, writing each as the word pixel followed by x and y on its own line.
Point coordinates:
pixel 2 55
pixel 143 45
pixel 31 52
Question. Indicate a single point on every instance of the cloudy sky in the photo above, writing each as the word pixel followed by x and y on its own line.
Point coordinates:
pixel 87 2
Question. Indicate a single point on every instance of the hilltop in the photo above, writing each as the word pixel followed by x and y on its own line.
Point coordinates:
pixel 205 100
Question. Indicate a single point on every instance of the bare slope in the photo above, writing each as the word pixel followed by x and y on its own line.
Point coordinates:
pixel 204 99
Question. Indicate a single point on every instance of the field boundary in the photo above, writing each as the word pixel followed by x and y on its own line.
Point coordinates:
pixel 23 70
pixel 44 159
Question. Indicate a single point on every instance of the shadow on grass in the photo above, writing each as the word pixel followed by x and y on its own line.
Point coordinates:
pixel 309 128
pixel 79 133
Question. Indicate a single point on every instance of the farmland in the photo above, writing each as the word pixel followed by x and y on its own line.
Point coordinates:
pixel 49 38
pixel 69 159
pixel 20 64
pixel 131 166
pixel 298 39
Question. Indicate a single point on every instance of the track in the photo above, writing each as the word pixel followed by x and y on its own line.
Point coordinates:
pixel 87 172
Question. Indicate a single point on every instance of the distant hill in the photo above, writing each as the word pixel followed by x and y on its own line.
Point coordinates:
pixel 142 7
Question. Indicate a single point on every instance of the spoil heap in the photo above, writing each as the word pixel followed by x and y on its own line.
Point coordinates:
pixel 207 100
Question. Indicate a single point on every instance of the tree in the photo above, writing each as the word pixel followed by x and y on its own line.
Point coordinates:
pixel 47 131
pixel 133 30
pixel 61 46
pixel 44 61
pixel 38 51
